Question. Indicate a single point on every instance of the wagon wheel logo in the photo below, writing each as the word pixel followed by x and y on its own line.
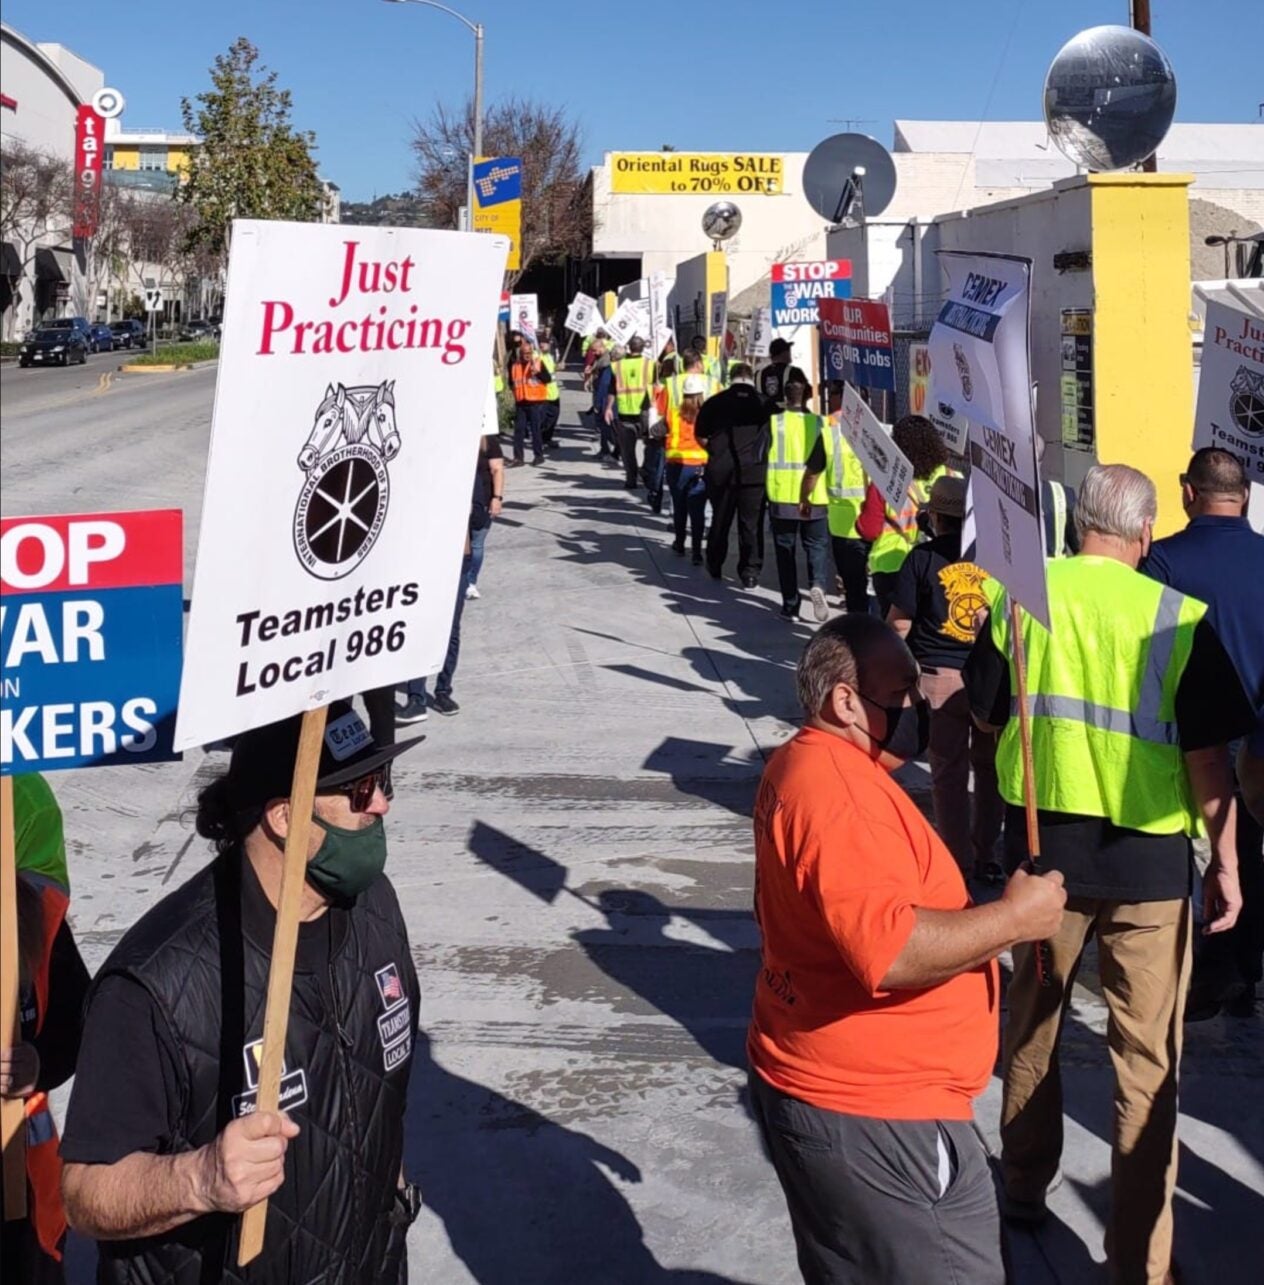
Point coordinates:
pixel 1246 401
pixel 963 372
pixel 346 491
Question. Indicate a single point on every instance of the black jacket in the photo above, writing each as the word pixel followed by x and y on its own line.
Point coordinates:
pixel 734 426
pixel 347 1056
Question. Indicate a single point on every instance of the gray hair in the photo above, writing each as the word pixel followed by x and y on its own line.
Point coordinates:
pixel 835 654
pixel 618 352
pixel 1115 500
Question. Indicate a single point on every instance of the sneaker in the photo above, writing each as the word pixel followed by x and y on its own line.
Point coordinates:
pixel 697 557
pixel 444 704
pixel 790 613
pixel 472 592
pixel 514 463
pixel 750 581
pixel 539 459
pixel 412 711
pixel 820 609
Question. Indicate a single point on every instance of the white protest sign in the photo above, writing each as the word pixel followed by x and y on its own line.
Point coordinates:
pixel 352 389
pixel 524 315
pixel 719 313
pixel 1230 412
pixel 582 316
pixel 660 327
pixel 622 325
pixel 888 467
pixel 641 318
pixel 981 368
pixel 761 332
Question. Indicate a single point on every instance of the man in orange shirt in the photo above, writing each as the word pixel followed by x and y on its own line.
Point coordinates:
pixel 875 1016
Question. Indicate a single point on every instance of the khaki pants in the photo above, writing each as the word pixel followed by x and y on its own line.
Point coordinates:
pixel 969 825
pixel 1144 957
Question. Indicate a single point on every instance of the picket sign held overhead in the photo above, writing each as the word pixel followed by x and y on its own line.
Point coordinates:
pixel 888 467
pixel 350 398
pixel 659 287
pixel 1230 410
pixel 981 370
pixel 761 332
pixel 583 317
pixel 623 323
pixel 856 342
pixel 797 288
pixel 524 315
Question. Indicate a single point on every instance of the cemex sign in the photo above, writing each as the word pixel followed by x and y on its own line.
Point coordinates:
pixel 856 343
pixel 91 615
pixel 796 287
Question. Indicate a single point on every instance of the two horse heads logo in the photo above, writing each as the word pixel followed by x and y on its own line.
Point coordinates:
pixel 346 489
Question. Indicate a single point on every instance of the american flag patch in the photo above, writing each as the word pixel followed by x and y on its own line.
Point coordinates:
pixel 389 986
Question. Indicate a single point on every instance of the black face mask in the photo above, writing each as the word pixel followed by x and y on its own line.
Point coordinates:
pixel 908 729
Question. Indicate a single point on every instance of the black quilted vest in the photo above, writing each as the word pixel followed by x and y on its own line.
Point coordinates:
pixel 345 1084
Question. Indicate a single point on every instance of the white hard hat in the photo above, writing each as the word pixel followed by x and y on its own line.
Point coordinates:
pixel 694 385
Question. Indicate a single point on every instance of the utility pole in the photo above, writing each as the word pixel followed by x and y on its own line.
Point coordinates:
pixel 1141 22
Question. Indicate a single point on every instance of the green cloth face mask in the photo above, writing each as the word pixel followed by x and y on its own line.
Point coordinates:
pixel 347 861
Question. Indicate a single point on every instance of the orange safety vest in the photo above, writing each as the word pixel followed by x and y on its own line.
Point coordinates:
pixel 682 445
pixel 525 387
pixel 43 1163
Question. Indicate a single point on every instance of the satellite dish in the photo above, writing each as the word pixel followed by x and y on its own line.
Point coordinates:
pixel 721 221
pixel 1110 95
pixel 848 177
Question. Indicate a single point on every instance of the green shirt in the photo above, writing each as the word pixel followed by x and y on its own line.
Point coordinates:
pixel 39 841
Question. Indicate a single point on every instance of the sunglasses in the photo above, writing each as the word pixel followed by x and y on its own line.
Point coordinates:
pixel 361 792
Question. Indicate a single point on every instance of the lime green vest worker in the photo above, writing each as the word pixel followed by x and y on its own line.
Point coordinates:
pixel 1101 695
pixel 675 384
pixel 845 482
pixel 794 434
pixel 550 364
pixel 633 379
pixel 899 535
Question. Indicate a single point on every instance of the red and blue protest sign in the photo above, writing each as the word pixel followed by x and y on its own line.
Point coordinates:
pixel 856 343
pixel 797 288
pixel 91 626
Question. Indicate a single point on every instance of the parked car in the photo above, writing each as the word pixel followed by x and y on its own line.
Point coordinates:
pixel 198 329
pixel 128 334
pixel 81 325
pixel 102 337
pixel 54 346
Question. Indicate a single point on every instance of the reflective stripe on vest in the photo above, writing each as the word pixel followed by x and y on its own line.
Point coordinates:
pixel 632 383
pixel 552 392
pixel 1058 491
pixel 892 546
pixel 845 485
pixel 794 434
pixel 1102 698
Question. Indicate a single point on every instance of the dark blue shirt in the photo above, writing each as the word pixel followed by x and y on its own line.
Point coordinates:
pixel 1220 561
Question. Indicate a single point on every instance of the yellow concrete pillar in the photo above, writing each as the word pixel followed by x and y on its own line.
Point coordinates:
pixel 1143 390
pixel 717 282
pixel 609 302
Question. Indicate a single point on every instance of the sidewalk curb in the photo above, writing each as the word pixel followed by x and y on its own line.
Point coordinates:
pixel 134 369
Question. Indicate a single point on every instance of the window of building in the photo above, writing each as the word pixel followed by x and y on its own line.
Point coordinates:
pixel 153 158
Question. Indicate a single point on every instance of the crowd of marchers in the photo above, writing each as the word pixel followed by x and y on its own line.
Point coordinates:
pixel 877 1009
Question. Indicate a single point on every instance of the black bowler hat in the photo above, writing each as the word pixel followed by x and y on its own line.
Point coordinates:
pixel 262 765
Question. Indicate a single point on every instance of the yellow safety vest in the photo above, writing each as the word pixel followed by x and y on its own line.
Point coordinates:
pixel 1101 696
pixel 1058 491
pixel 549 364
pixel 845 484
pixel 794 434
pixel 888 551
pixel 632 380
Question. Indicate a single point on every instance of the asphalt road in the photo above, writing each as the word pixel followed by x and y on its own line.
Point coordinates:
pixel 572 853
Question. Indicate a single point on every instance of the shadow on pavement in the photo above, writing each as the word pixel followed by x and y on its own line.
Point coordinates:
pixel 524 1201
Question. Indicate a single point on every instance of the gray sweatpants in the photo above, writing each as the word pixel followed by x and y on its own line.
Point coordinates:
pixel 882 1202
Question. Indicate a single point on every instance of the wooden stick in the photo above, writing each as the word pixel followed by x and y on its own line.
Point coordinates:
pixel 1043 961
pixel 12 1110
pixel 566 352
pixel 284 944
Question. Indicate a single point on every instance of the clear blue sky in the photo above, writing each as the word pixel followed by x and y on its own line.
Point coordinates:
pixel 774 77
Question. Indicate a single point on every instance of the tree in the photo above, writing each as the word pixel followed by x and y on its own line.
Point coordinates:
pixel 556 219
pixel 35 200
pixel 252 163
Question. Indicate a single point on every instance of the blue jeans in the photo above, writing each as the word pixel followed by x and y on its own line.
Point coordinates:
pixel 689 501
pixel 477 540
pixel 786 533
pixel 443 684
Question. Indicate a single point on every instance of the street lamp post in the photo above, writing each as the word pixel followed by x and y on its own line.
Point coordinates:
pixel 477 29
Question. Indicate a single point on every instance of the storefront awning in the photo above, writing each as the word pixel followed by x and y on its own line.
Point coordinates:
pixel 10 264
pixel 52 265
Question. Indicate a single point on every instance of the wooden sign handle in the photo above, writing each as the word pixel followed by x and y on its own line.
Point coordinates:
pixel 1043 961
pixel 284 945
pixel 12 1110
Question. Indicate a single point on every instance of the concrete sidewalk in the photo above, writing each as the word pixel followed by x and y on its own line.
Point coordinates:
pixel 573 855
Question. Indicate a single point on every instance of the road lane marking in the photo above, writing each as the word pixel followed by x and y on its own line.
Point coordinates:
pixel 103 384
